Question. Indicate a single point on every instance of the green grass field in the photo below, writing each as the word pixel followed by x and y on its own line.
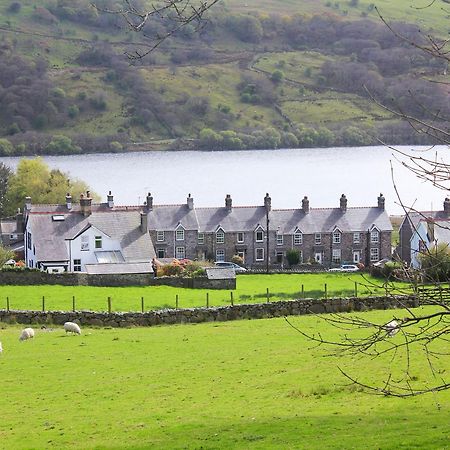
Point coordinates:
pixel 250 289
pixel 245 384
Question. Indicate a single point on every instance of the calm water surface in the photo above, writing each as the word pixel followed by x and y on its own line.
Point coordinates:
pixel 321 174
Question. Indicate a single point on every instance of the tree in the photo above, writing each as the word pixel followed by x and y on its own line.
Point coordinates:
pixel 35 179
pixel 5 175
pixel 5 255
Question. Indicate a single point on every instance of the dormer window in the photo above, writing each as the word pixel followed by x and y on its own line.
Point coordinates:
pixel 336 237
pixel 160 236
pixel 298 237
pixel 280 239
pixel 220 237
pixel 201 238
pixel 259 235
pixel 374 236
pixel 179 234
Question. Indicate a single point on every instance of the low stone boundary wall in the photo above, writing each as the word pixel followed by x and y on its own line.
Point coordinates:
pixel 36 277
pixel 219 314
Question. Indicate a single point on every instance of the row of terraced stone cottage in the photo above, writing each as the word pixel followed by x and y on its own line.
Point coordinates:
pixel 106 238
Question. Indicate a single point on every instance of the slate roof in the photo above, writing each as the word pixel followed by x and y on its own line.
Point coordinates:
pixel 120 224
pixel 168 217
pixel 118 268
pixel 220 273
pixel 9 227
pixel 415 217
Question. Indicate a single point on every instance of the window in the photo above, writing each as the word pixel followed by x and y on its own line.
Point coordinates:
pixel 98 242
pixel 279 256
pixel 220 255
pixel 241 254
pixel 356 238
pixel 77 265
pixel 259 254
pixel 160 236
pixel 180 252
pixel 336 257
pixel 279 239
pixel 13 236
pixel 298 237
pixel 374 236
pixel 374 255
pixel 29 240
pixel 179 234
pixel 84 243
pixel 201 238
pixel 317 239
pixel 259 236
pixel 240 238
pixel 220 237
pixel 161 253
pixel 336 237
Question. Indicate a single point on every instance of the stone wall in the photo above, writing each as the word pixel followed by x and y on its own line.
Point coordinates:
pixel 35 277
pixel 219 314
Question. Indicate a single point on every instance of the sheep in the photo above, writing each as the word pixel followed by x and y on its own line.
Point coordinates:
pixel 72 327
pixel 1 348
pixel 392 328
pixel 27 333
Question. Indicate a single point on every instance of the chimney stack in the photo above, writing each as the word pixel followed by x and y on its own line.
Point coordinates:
pixel 381 201
pixel 267 202
pixel 447 206
pixel 190 202
pixel 86 204
pixel 19 221
pixel 144 222
pixel 343 203
pixel 27 203
pixel 110 198
pixel 228 202
pixel 68 201
pixel 149 202
pixel 305 205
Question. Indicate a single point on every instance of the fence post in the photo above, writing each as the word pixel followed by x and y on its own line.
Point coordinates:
pixel 231 298
pixel 73 303
pixel 109 305
pixel 267 295
pixel 7 304
pixel 303 291
pixel 207 299
pixel 176 301
pixel 326 290
pixel 142 304
pixel 356 289
pixel 43 304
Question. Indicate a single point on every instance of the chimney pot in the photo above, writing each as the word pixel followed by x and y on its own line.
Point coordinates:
pixel 68 201
pixel 85 204
pixel 144 222
pixel 28 203
pixel 267 202
pixel 149 202
pixel 447 206
pixel 381 201
pixel 190 202
pixel 305 205
pixel 110 198
pixel 228 202
pixel 343 203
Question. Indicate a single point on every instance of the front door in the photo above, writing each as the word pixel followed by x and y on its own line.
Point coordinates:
pixel 356 256
pixel 318 257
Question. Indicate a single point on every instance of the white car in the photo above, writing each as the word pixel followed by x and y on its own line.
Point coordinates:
pixel 346 268
pixel 230 265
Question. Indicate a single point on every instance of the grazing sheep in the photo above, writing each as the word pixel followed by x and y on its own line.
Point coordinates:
pixel 1 348
pixel 27 333
pixel 392 328
pixel 72 327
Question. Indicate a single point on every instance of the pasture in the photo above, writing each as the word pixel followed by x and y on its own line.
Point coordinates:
pixel 250 289
pixel 246 384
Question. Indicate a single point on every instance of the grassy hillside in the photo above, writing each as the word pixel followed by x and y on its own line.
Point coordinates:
pixel 245 384
pixel 200 80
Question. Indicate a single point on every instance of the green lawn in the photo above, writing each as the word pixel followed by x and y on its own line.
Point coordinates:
pixel 245 384
pixel 250 289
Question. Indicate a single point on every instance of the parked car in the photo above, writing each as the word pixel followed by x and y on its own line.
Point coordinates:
pixel 230 265
pixel 346 268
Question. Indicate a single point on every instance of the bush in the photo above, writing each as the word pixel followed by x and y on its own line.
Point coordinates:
pixel 237 260
pixel 293 257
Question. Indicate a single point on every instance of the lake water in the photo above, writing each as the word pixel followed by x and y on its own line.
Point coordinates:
pixel 287 174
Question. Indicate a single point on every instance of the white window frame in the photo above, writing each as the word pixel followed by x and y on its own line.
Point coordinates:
pixel 77 265
pixel 240 237
pixel 297 238
pixel 336 237
pixel 259 232
pixel 179 234
pixel 280 239
pixel 317 238
pixel 374 236
pixel 374 254
pixel 163 250
pixel 220 254
pixel 336 256
pixel 356 238
pixel 98 242
pixel 84 243
pixel 160 236
pixel 180 252
pixel 220 237
pixel 261 250
pixel 200 238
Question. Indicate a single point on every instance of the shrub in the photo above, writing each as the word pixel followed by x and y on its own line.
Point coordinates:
pixel 237 260
pixel 293 257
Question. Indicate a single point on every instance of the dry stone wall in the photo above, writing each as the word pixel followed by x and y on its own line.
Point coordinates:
pixel 217 314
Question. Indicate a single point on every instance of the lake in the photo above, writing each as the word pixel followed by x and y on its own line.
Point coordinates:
pixel 323 174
